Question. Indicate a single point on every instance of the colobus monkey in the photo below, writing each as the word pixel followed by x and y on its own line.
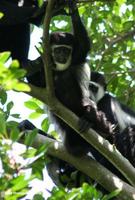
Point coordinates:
pixel 118 114
pixel 71 76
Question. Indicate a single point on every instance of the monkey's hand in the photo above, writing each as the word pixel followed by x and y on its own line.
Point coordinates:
pixel 72 6
pixel 97 120
pixel 85 124
pixel 59 8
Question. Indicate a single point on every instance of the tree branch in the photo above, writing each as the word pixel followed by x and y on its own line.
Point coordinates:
pixel 89 166
pixel 121 72
pixel 48 65
pixel 121 37
pixel 98 142
pixel 112 41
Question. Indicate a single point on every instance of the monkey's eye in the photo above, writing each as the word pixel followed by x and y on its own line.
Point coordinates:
pixel 93 88
pixel 62 50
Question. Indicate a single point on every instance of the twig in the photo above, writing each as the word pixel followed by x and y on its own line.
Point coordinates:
pixel 48 65
pixel 113 41
pixel 120 72
pixel 119 38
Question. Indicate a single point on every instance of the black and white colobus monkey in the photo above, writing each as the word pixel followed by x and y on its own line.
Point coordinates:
pixel 71 76
pixel 118 114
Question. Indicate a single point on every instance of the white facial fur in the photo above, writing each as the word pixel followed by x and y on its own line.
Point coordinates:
pixel 100 93
pixel 62 66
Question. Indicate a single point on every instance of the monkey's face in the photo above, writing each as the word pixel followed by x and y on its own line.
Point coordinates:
pixel 96 91
pixel 62 56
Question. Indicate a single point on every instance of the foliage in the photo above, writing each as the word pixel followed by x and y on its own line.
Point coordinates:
pixel 110 26
pixel 10 74
pixel 14 164
pixel 82 193
pixel 36 106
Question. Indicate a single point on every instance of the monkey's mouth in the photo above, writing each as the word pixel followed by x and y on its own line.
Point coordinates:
pixel 61 60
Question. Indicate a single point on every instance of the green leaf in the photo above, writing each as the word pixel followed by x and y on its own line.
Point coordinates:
pixel 31 105
pixel 120 2
pixel 17 116
pixel 14 64
pixel 4 56
pixel 42 149
pixel 54 134
pixel 30 137
pixel 127 25
pixel 34 115
pixel 2 123
pixel 19 183
pixel 38 197
pixel 10 106
pixel 3 96
pixel 1 15
pixel 40 110
pixel 111 195
pixel 21 87
pixel 15 134
pixel 45 125
pixel 40 3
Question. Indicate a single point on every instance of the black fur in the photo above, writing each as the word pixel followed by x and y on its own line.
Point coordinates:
pixel 116 112
pixel 121 116
pixel 68 86
pixel 15 27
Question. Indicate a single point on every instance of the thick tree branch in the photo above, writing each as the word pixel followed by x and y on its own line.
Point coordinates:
pixel 88 166
pixel 102 145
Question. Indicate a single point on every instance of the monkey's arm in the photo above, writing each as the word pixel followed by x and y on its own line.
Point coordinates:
pixel 83 44
pixel 35 72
